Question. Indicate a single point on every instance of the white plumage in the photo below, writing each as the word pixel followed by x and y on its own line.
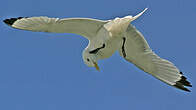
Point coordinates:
pixel 105 37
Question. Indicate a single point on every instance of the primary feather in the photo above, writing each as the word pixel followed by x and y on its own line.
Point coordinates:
pixel 139 53
pixel 82 26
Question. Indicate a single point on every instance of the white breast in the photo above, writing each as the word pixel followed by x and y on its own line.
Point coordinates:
pixel 111 43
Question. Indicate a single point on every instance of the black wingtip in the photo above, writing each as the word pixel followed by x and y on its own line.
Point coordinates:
pixel 183 82
pixel 180 86
pixel 11 20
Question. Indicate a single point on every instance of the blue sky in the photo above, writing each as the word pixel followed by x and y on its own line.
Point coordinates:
pixel 42 71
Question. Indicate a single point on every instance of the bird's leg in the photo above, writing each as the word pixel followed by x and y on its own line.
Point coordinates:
pixel 96 50
pixel 123 47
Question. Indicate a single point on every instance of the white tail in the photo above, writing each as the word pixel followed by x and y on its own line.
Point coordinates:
pixel 137 16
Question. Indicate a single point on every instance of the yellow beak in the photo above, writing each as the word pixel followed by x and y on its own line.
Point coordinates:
pixel 96 66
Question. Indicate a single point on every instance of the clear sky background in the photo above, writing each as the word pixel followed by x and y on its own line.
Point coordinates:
pixel 44 71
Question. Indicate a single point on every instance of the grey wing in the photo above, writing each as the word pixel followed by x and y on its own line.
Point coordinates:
pixel 137 51
pixel 82 26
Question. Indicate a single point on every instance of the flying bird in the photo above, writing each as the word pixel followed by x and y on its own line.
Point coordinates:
pixel 106 37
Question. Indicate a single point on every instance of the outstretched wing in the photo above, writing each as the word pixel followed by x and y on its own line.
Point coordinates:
pixel 82 26
pixel 136 50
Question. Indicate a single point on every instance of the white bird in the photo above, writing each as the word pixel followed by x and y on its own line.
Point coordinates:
pixel 105 37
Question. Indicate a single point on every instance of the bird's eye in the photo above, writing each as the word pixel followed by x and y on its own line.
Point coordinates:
pixel 87 59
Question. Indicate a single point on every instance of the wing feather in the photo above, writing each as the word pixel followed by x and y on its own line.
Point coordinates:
pixel 139 53
pixel 82 26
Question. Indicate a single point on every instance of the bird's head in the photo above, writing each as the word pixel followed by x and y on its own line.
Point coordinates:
pixel 90 59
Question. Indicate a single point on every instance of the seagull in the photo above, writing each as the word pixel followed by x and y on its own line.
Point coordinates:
pixel 105 38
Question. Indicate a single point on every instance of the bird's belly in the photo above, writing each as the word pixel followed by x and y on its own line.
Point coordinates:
pixel 111 47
